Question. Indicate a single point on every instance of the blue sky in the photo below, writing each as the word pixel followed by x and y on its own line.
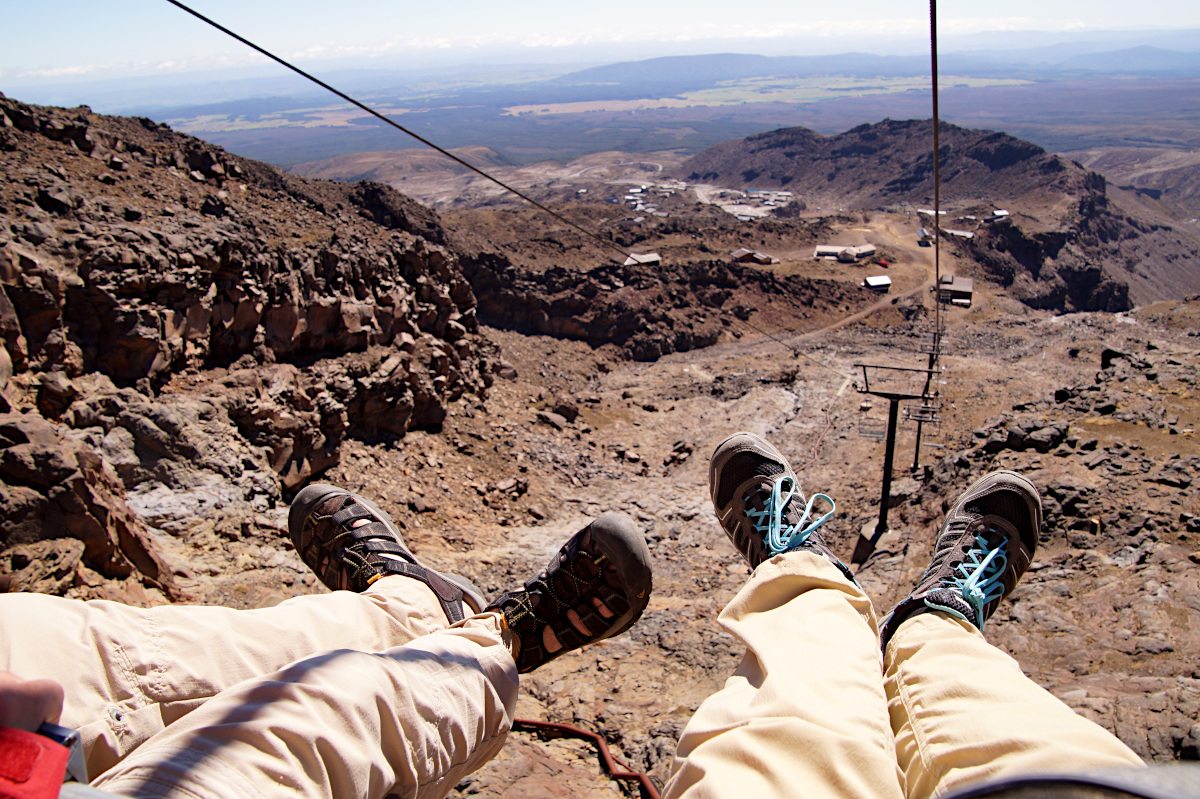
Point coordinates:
pixel 71 40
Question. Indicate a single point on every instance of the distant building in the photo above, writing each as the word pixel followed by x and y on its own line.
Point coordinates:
pixel 647 259
pixel 844 252
pixel 962 234
pixel 955 290
pixel 747 256
pixel 879 283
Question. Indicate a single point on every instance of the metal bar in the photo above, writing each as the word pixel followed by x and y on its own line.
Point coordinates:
pixel 866 366
pixel 888 458
pixel 937 163
pixel 917 448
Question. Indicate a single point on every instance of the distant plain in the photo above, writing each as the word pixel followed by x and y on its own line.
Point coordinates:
pixel 1133 114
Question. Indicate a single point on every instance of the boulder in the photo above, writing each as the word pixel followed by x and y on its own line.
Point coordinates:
pixel 55 487
pixel 566 408
pixel 553 419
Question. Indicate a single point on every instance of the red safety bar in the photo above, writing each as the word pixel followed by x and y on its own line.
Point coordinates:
pixel 31 765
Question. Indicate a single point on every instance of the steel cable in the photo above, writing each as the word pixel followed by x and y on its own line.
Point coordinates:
pixel 603 242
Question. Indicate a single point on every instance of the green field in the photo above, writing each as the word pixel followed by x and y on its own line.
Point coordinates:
pixel 817 89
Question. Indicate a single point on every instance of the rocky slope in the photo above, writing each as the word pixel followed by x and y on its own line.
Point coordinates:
pixel 188 332
pixel 886 163
pixel 649 312
pixel 1067 245
pixel 149 483
pixel 1167 176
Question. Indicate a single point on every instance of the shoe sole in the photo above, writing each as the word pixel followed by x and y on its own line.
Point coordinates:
pixel 622 542
pixel 728 516
pixel 613 538
pixel 313 495
pixel 998 477
pixel 735 444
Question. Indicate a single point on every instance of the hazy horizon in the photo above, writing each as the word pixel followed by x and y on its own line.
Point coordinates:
pixel 79 52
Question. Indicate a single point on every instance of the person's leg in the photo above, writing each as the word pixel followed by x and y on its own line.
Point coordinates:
pixel 128 672
pixel 961 709
pixel 964 711
pixel 413 720
pixel 805 713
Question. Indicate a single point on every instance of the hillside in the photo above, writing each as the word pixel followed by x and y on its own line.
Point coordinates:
pixel 184 326
pixel 1170 177
pixel 187 337
pixel 387 167
pixel 1065 245
pixel 887 163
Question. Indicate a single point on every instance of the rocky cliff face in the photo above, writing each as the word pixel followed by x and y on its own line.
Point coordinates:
pixel 187 332
pixel 648 313
pixel 1098 256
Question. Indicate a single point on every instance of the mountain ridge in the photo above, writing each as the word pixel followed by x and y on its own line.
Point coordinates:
pixel 1064 230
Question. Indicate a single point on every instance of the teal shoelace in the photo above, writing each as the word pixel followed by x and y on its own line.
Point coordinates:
pixel 981 577
pixel 768 522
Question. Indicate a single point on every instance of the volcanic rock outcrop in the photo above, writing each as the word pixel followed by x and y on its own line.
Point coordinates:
pixel 184 331
pixel 674 308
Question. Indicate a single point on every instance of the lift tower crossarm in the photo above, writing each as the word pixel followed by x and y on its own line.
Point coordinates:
pixel 894 391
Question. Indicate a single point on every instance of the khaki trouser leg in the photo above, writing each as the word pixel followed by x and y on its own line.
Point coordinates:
pixel 962 711
pixel 413 720
pixel 805 713
pixel 128 672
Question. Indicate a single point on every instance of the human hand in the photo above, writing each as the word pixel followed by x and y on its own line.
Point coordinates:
pixel 27 704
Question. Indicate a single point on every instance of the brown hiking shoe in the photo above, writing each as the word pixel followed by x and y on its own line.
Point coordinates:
pixel 606 562
pixel 985 545
pixel 351 557
pixel 760 506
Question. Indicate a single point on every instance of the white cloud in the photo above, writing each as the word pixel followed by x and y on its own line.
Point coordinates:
pixel 987 24
pixel 130 68
pixel 617 34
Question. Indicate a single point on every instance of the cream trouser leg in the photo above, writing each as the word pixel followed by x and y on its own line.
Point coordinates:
pixel 413 720
pixel 128 672
pixel 805 713
pixel 964 711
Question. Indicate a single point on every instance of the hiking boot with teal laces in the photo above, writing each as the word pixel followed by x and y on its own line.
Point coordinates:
pixel 985 545
pixel 758 501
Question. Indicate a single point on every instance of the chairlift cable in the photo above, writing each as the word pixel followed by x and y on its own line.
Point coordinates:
pixel 605 243
pixel 794 350
pixel 937 191
pixel 608 244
